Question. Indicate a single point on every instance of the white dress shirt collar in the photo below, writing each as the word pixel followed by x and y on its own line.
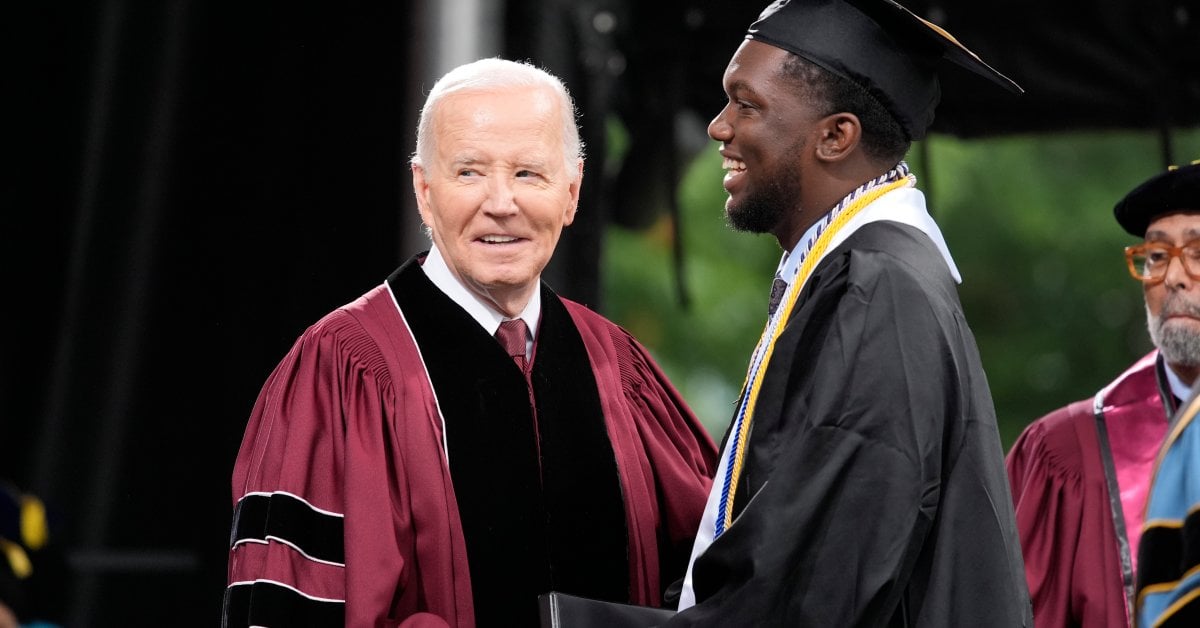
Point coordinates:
pixel 1182 391
pixel 488 317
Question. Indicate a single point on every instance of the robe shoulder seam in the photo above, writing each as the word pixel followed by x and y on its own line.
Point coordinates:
pixel 353 342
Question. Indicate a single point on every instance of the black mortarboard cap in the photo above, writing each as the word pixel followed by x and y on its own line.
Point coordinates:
pixel 1174 190
pixel 878 44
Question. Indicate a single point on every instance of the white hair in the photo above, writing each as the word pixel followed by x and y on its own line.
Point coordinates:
pixel 495 74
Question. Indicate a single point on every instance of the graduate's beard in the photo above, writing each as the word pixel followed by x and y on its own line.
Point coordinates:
pixel 760 212
pixel 763 209
pixel 1178 344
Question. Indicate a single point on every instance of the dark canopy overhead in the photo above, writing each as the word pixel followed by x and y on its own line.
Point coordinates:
pixel 1125 64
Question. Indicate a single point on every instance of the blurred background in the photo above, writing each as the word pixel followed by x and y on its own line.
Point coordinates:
pixel 189 184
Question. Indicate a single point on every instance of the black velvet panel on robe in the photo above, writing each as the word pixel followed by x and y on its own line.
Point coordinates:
pixel 531 525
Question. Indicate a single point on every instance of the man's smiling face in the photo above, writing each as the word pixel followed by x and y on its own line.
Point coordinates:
pixel 498 190
pixel 763 129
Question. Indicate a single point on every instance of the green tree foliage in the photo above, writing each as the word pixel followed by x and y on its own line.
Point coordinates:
pixel 1028 220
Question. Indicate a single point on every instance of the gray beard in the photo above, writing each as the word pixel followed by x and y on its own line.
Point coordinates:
pixel 1177 345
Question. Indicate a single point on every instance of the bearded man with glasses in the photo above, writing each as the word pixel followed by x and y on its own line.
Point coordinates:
pixel 1080 475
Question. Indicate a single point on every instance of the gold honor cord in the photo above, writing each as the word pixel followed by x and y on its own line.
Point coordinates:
pixel 754 377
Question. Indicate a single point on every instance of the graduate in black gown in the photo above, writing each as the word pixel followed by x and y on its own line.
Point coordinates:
pixel 862 480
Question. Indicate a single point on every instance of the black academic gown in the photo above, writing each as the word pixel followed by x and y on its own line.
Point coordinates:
pixel 874 491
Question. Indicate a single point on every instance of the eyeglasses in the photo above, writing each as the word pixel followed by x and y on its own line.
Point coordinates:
pixel 1148 262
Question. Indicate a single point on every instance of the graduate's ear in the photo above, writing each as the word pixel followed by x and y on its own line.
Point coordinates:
pixel 838 135
pixel 421 190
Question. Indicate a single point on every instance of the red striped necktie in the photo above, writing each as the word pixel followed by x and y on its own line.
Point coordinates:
pixel 512 336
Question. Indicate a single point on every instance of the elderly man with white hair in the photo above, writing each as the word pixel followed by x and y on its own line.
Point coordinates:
pixel 461 439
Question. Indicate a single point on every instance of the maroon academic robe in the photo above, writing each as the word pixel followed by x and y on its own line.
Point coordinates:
pixel 1080 543
pixel 346 437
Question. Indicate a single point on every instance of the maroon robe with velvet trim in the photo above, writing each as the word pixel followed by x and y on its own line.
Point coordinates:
pixel 1079 544
pixel 346 437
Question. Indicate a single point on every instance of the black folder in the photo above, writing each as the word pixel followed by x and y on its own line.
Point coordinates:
pixel 560 610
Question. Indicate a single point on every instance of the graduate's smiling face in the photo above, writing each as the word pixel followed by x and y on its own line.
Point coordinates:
pixel 1173 304
pixel 498 189
pixel 764 129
